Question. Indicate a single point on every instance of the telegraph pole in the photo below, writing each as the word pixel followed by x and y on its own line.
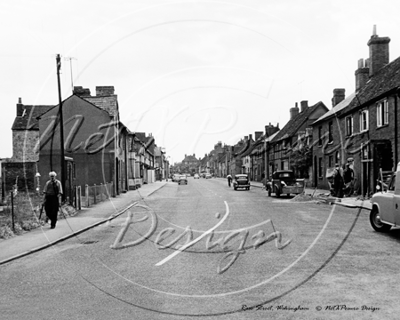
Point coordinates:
pixel 61 122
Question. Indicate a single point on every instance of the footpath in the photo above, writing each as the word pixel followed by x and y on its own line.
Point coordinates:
pixel 87 218
pixel 324 196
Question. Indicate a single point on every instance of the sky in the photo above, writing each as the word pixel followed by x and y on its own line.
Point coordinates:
pixel 191 73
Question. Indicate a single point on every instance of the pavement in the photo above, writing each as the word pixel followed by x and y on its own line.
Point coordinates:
pixel 324 196
pixel 87 218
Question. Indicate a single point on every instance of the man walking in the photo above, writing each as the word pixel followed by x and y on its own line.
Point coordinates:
pixel 229 177
pixel 52 198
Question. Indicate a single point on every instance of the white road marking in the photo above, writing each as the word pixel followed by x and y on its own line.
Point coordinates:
pixel 195 240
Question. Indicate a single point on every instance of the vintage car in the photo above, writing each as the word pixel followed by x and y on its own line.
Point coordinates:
pixel 284 182
pixel 385 211
pixel 208 176
pixel 182 179
pixel 241 181
pixel 196 176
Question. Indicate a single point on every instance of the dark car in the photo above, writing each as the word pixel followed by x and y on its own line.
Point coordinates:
pixel 285 182
pixel 183 179
pixel 241 181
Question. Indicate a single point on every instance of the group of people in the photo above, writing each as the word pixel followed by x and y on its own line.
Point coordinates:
pixel 343 181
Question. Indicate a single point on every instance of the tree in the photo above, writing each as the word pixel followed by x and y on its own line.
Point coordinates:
pixel 301 160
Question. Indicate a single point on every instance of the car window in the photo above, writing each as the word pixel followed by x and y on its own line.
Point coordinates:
pixel 392 183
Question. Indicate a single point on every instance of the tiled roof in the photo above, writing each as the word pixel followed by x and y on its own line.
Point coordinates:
pixel 294 124
pixel 336 110
pixel 190 158
pixel 28 120
pixel 385 80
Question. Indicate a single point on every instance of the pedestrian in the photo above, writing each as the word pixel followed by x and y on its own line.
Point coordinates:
pixel 229 177
pixel 338 182
pixel 52 198
pixel 348 178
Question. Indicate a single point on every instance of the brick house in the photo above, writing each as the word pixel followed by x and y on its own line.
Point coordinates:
pixel 94 146
pixel 146 157
pixel 370 123
pixel 281 149
pixel 328 139
pixel 190 164
pixel 258 154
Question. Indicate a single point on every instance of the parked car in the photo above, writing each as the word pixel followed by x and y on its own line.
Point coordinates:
pixel 284 182
pixel 241 181
pixel 386 205
pixel 208 176
pixel 183 179
pixel 176 177
pixel 196 176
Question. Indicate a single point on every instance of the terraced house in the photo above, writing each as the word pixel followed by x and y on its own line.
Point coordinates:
pixel 288 142
pixel 365 126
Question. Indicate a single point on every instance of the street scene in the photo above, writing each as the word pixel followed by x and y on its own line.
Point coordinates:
pixel 199 160
pixel 269 258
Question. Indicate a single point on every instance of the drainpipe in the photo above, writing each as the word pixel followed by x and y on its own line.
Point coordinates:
pixel 395 128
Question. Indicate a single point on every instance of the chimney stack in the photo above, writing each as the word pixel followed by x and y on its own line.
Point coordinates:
pixel 20 107
pixel 294 112
pixel 258 134
pixel 378 52
pixel 303 105
pixel 338 96
pixel 104 91
pixel 362 73
pixel 270 129
pixel 80 91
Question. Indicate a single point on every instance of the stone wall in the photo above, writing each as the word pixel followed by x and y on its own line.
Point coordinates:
pixel 24 143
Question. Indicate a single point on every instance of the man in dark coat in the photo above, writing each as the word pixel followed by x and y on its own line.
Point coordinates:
pixel 338 182
pixel 229 177
pixel 52 198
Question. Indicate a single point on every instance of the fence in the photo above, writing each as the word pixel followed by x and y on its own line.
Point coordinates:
pixel 19 211
pixel 94 194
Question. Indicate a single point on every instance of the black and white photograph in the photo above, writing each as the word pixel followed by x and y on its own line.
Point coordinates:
pixel 199 159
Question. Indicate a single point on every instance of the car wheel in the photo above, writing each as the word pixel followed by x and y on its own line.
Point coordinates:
pixel 269 192
pixel 288 194
pixel 376 222
pixel 278 193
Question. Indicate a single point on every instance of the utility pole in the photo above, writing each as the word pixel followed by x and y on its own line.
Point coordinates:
pixel 61 122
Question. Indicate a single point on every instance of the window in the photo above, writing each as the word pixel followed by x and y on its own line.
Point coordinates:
pixel 364 120
pixel 330 131
pixel 320 136
pixel 330 162
pixel 320 167
pixel 382 114
pixel 349 126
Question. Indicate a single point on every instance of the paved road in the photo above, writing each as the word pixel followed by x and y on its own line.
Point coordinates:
pixel 170 262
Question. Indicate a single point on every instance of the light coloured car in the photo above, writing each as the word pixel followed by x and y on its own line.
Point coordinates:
pixel 385 212
pixel 208 176
pixel 196 176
